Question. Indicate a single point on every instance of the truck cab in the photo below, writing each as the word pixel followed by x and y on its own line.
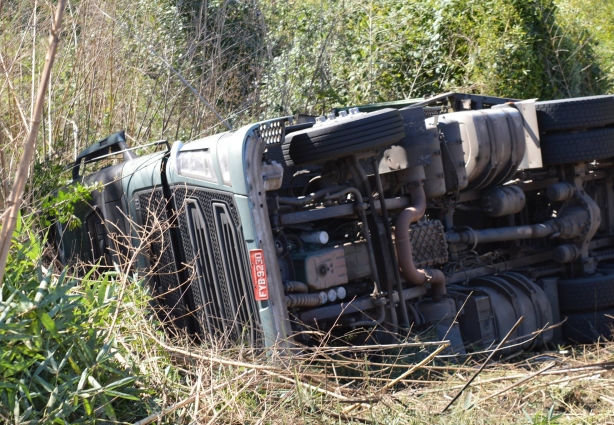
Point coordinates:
pixel 457 214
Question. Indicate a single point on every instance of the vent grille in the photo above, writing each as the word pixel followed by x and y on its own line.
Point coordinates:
pixel 428 244
pixel 214 247
pixel 165 279
pixel 431 111
pixel 273 132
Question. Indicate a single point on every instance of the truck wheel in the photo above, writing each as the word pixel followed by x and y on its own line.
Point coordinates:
pixel 577 113
pixel 589 145
pixel 343 137
pixel 587 293
pixel 586 328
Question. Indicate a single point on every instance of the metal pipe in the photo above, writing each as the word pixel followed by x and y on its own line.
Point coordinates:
pixel 301 202
pixel 362 181
pixel 378 321
pixel 295 286
pixel 473 237
pixel 395 263
pixel 408 269
pixel 360 209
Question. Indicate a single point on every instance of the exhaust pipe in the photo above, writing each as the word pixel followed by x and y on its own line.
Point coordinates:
pixel 403 245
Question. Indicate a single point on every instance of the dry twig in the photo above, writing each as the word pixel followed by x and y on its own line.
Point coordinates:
pixel 485 362
pixel 14 200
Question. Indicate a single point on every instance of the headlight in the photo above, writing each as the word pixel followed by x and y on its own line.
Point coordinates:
pixel 197 164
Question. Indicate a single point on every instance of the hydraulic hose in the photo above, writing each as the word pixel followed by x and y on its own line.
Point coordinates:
pixel 403 245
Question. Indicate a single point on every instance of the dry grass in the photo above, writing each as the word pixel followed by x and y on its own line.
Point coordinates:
pixel 399 384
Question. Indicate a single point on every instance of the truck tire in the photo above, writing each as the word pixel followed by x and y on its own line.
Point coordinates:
pixel 352 134
pixel 585 328
pixel 576 113
pixel 587 293
pixel 589 145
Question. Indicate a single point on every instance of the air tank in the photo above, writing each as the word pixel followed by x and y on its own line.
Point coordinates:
pixel 503 200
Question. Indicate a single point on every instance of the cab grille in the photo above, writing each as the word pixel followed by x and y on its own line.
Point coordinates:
pixel 216 257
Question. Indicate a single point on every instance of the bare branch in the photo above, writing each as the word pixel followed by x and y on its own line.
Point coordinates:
pixel 14 201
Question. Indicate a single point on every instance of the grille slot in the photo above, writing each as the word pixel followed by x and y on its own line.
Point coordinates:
pixel 213 242
pixel 208 296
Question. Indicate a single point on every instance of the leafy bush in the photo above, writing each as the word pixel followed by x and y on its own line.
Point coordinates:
pixel 327 54
pixel 57 361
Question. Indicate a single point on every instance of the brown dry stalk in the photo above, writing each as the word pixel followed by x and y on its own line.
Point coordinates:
pixel 158 416
pixel 415 367
pixel 505 338
pixel 189 400
pixel 3 183
pixel 210 359
pixel 308 386
pixel 559 381
pixel 16 98
pixel 517 383
pixel 14 200
pixel 411 370
pixel 217 413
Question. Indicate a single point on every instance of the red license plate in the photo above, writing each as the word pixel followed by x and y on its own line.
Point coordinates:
pixel 261 285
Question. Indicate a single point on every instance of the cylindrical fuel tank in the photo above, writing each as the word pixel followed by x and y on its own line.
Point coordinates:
pixel 503 200
pixel 493 143
pixel 434 183
pixel 452 155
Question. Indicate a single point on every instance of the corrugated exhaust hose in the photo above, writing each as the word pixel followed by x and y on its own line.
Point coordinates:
pixel 403 245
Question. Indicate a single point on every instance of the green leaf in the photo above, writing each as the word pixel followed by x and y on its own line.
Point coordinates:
pixel 108 409
pixel 88 407
pixel 82 380
pixel 121 395
pixel 104 350
pixel 120 383
pixel 48 323
pixel 102 290
pixel 46 385
pixel 58 293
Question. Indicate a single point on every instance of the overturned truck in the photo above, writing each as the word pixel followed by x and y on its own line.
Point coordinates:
pixel 457 214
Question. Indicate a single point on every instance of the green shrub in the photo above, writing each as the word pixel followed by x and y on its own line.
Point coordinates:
pixel 57 362
pixel 338 53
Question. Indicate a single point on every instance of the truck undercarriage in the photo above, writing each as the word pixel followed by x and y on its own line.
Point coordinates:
pixel 457 214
